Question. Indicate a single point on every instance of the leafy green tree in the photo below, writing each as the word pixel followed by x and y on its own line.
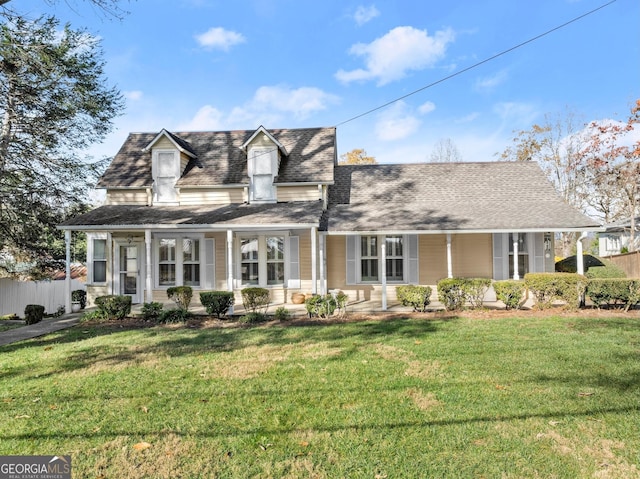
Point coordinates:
pixel 54 103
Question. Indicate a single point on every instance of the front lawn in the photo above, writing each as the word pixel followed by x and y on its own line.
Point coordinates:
pixel 441 397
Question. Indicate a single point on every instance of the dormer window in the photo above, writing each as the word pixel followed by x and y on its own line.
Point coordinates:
pixel 264 162
pixel 166 171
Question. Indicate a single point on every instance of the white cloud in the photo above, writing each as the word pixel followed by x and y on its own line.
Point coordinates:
pixel 219 38
pixel 206 118
pixel 133 95
pixel 427 107
pixel 365 14
pixel 391 56
pixel 396 123
pixel 491 82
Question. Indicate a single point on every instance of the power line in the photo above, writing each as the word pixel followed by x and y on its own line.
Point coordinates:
pixel 475 65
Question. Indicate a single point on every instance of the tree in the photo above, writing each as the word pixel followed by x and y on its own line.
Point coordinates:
pixel 445 151
pixel 109 7
pixel 54 103
pixel 556 145
pixel 611 162
pixel 357 156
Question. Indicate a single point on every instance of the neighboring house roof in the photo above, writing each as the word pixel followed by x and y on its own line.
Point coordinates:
pixel 124 217
pixel 220 160
pixel 490 196
pixel 622 226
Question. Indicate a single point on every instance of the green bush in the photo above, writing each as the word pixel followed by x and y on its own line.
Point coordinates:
pixel 255 300
pixel 609 270
pixel 614 292
pixel 510 292
pixel 282 314
pixel 321 306
pixel 95 315
pixel 549 287
pixel 151 311
pixel 174 315
pixel 181 295
pixel 415 296
pixel 451 293
pixel 114 306
pixel 253 317
pixel 33 313
pixel 475 289
pixel 79 296
pixel 217 302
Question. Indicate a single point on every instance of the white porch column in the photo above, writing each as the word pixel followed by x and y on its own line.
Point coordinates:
pixel 449 257
pixel 67 278
pixel 314 260
pixel 579 257
pixel 323 265
pixel 516 273
pixel 384 273
pixel 148 288
pixel 230 264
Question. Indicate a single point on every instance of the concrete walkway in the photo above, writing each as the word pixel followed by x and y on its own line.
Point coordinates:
pixel 45 326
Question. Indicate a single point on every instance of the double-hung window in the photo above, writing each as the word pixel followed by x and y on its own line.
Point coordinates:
pixel 99 261
pixel 179 260
pixel 364 258
pixel 262 260
pixel 395 258
pixel 167 262
pixel 191 262
pixel 369 258
pixel 166 171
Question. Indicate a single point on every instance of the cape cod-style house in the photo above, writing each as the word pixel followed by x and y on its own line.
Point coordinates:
pixel 271 207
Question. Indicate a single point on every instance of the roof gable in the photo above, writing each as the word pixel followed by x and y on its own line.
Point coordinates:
pixel 179 143
pixel 263 130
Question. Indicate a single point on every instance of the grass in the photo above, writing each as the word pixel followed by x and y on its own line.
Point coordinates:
pixel 8 326
pixel 511 398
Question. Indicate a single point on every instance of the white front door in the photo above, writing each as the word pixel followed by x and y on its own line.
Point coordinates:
pixel 128 271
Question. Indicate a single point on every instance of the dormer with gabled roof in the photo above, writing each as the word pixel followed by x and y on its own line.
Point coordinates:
pixel 264 154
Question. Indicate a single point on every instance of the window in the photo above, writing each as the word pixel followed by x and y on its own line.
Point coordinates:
pixel 249 261
pixel 99 261
pixel 262 260
pixel 167 262
pixel 523 254
pixel 395 258
pixel 369 258
pixel 263 165
pixel 191 262
pixel 166 170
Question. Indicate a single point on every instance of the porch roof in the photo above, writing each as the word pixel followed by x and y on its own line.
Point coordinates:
pixel 234 216
pixel 449 197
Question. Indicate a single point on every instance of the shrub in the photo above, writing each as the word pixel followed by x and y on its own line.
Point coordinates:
pixel 413 295
pixel 609 270
pixel 255 300
pixel 282 314
pixel 181 295
pixel 95 315
pixel 451 293
pixel 33 313
pixel 151 311
pixel 217 302
pixel 79 296
pixel 253 317
pixel 321 306
pixel 114 306
pixel 475 289
pixel 614 291
pixel 510 292
pixel 174 315
pixel 549 287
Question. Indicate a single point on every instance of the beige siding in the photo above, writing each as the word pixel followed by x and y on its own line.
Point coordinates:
pixel 203 196
pixel 305 256
pixel 164 143
pixel 298 193
pixel 432 256
pixel 472 256
pixel 127 197
pixel 94 292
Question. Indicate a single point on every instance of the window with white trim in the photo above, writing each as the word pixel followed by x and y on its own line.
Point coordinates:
pixel 167 262
pixel 395 258
pixel 190 262
pixel 263 164
pixel 99 260
pixel 166 171
pixel 364 258
pixel 179 261
pixel 262 260
pixel 369 258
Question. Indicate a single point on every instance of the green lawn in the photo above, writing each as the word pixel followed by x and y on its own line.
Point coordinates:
pixel 494 398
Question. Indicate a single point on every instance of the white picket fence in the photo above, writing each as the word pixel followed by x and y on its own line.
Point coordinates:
pixel 15 295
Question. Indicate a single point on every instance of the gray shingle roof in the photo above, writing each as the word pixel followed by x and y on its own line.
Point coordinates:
pixel 234 215
pixel 448 197
pixel 220 160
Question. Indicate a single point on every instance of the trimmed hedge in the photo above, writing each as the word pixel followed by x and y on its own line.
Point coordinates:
pixel 614 292
pixel 181 295
pixel 114 306
pixel 550 287
pixel 419 297
pixel 33 313
pixel 217 302
pixel 609 270
pixel 325 306
pixel 510 292
pixel 454 293
pixel 255 300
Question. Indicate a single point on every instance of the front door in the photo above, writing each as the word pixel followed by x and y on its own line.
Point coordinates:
pixel 128 274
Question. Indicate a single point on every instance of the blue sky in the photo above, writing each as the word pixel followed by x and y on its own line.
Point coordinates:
pixel 226 65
